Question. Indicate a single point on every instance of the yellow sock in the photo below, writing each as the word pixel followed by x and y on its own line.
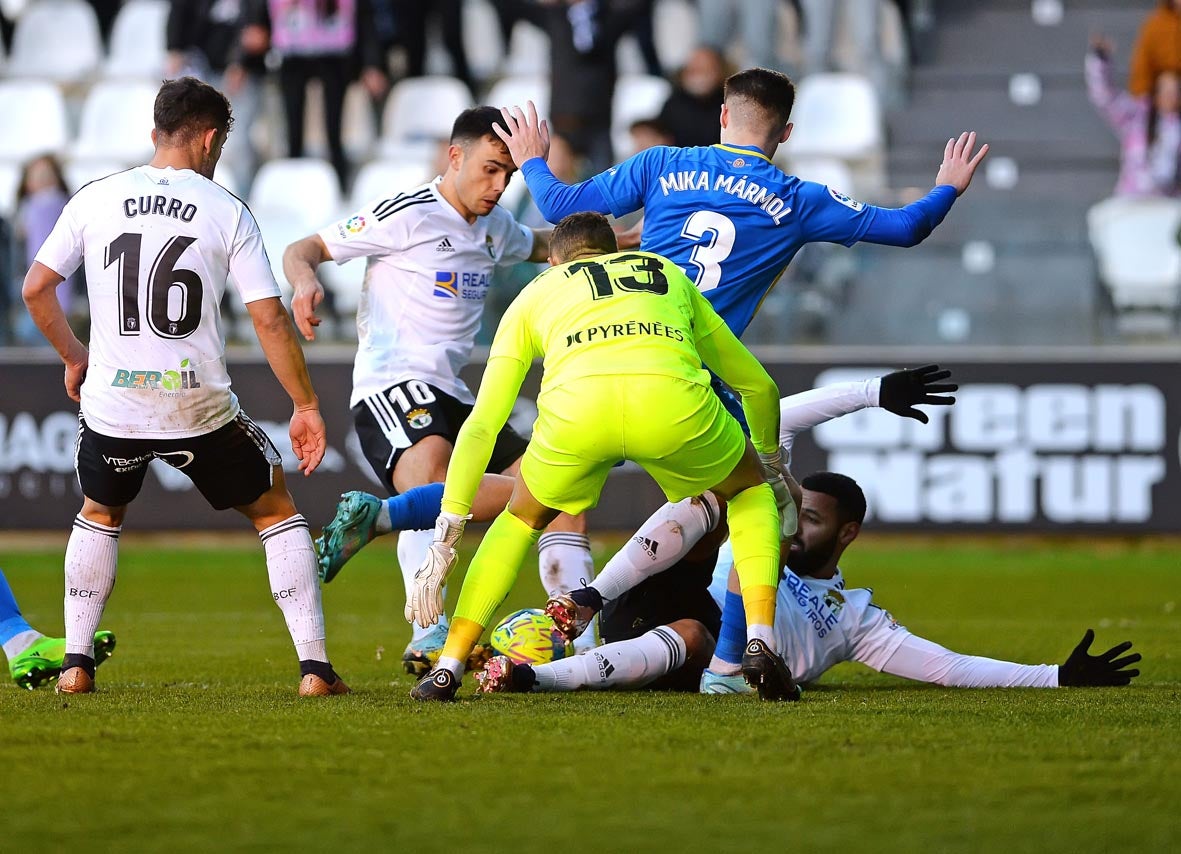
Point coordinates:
pixel 489 579
pixel 461 638
pixel 754 536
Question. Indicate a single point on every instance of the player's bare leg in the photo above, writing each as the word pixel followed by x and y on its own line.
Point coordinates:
pixel 91 557
pixel 291 567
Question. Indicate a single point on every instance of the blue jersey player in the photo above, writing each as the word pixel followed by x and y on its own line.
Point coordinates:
pixel 725 213
pixel 733 221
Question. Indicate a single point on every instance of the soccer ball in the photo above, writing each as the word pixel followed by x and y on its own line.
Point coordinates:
pixel 529 637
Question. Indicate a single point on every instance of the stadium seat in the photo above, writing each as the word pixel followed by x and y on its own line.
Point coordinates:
pixel 528 52
pixel 420 112
pixel 35 114
pixel 56 40
pixel 138 40
pixel 484 51
pixel 385 178
pixel 79 173
pixel 674 24
pixel 116 122
pixel 637 96
pixel 823 170
pixel 10 176
pixel 838 115
pixel 303 188
pixel 1137 252
pixel 515 91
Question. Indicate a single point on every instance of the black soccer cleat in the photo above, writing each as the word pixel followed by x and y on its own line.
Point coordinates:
pixel 766 672
pixel 440 685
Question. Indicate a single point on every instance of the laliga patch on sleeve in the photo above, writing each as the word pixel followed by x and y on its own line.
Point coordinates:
pixel 845 200
pixel 352 226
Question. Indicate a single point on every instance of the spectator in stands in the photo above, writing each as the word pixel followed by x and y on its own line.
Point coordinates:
pixel 41 196
pixel 1148 126
pixel 691 112
pixel 648 133
pixel 1157 48
pixel 412 18
pixel 862 20
pixel 323 40
pixel 583 37
pixel 758 24
pixel 220 42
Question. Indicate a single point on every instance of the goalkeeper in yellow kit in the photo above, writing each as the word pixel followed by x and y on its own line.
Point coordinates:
pixel 624 337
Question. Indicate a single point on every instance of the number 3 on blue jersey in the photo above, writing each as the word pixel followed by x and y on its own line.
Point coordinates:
pixel 707 258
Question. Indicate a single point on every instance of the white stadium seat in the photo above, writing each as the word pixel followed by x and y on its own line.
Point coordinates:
pixel 386 178
pixel 484 50
pixel 421 110
pixel 10 177
pixel 515 91
pixel 1136 248
pixel 528 52
pixel 637 96
pixel 674 24
pixel 34 119
pixel 839 115
pixel 138 40
pixel 79 173
pixel 56 40
pixel 117 122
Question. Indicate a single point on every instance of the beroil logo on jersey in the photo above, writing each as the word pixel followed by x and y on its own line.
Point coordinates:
pixel 170 381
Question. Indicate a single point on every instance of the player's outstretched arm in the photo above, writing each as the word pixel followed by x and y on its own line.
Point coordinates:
pixel 40 295
pixel 300 261
pixel 281 348
pixel 901 391
pixel 526 136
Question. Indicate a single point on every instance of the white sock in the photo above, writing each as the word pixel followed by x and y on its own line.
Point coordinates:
pixel 763 633
pixel 623 664
pixel 456 666
pixel 565 563
pixel 664 539
pixel 724 668
pixel 17 644
pixel 91 555
pixel 291 567
pixel 412 549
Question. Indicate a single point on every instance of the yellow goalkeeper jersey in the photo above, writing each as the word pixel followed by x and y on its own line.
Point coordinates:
pixel 624 313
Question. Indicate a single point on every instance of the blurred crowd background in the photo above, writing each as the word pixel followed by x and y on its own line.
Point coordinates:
pixel 1069 237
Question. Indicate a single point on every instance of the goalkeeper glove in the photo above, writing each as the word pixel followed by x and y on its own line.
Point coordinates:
pixel 901 391
pixel 425 604
pixel 1105 669
pixel 775 473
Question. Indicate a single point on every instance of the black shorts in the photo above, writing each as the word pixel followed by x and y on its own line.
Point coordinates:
pixel 681 592
pixel 391 421
pixel 231 466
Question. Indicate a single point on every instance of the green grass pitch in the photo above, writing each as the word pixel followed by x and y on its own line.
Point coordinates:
pixel 197 742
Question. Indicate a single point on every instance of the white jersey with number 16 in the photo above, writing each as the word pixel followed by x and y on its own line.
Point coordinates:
pixel 158 247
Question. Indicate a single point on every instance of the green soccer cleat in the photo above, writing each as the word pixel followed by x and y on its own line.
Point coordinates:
pixel 354 525
pixel 42 662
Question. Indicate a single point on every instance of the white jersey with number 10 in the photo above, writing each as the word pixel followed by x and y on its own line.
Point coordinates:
pixel 158 246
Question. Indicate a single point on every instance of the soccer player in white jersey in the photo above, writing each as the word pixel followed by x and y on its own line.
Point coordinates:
pixel 159 243
pixel 818 621
pixel 431 253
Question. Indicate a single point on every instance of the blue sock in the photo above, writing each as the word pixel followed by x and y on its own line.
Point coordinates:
pixel 732 637
pixel 11 621
pixel 416 509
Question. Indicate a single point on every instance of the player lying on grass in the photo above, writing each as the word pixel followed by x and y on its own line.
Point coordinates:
pixel 33 658
pixel 160 243
pixel 624 337
pixel 818 623
pixel 431 254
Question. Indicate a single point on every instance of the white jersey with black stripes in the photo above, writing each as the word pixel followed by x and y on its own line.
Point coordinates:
pixel 158 246
pixel 427 275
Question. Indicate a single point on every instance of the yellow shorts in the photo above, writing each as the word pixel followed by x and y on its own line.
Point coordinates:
pixel 676 430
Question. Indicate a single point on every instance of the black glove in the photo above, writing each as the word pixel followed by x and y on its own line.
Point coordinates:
pixel 1104 669
pixel 901 391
